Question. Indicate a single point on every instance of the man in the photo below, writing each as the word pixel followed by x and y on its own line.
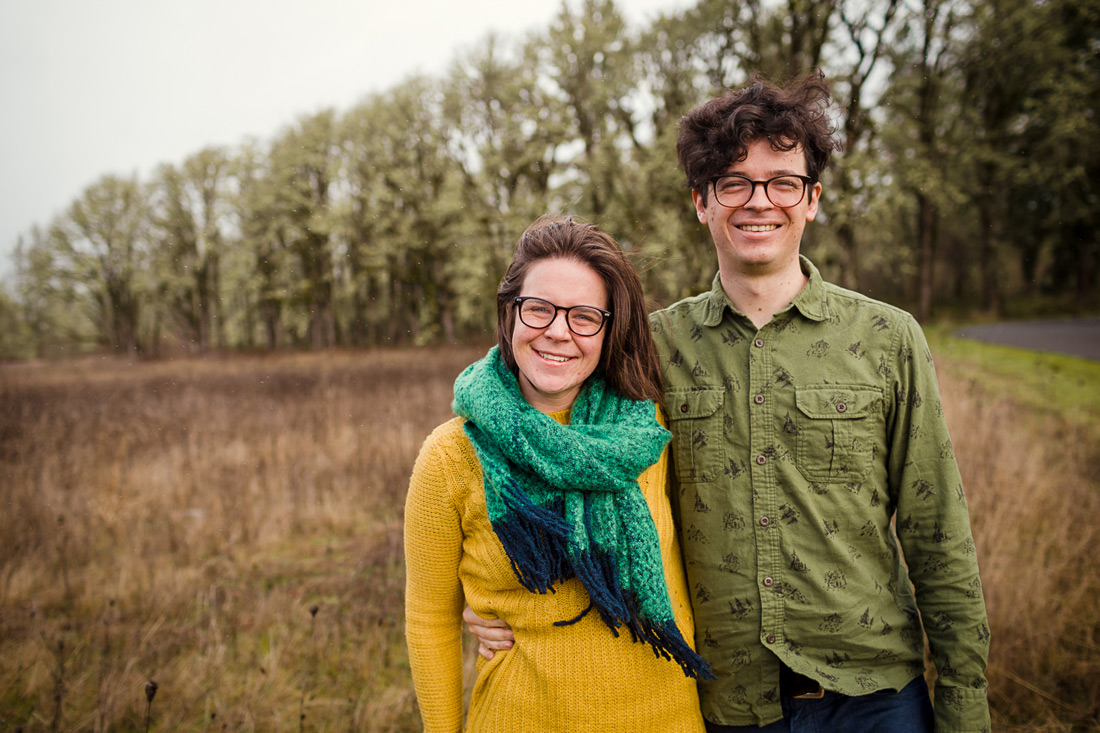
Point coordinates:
pixel 809 443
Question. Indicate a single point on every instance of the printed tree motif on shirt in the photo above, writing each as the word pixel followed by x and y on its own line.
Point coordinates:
pixel 731 563
pixel 857 350
pixel 831 624
pixel 740 607
pixel 701 593
pixel 797 565
pixel 733 521
pixel 738 695
pixel 835 580
pixel 836 659
pixel 731 337
pixel 908 525
pixel 741 658
pixel 831 527
pixel 946 451
pixel 923 489
pixel 700 505
pixel 696 333
pixel 695 534
pixel 880 324
pixel 866 621
pixel 788 592
pixel 866 683
pixel 699 372
pixel 789 426
pixel 783 378
pixel 818 349
pixel 938 535
pixel 708 640
pixel 943 621
pixel 788 514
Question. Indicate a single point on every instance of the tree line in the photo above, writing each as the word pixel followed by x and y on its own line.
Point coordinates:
pixel 969 177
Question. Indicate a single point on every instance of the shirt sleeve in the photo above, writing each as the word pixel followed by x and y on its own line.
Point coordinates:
pixel 433 591
pixel 933 528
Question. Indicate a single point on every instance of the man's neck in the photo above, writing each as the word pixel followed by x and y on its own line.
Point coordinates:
pixel 760 295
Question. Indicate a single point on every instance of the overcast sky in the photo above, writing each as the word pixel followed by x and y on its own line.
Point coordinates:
pixel 89 87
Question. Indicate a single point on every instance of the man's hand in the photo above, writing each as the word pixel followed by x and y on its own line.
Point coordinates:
pixel 491 633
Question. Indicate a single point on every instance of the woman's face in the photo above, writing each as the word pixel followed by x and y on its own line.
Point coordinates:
pixel 553 361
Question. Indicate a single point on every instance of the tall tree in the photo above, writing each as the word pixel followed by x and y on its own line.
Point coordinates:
pixel 189 208
pixel 104 240
pixel 302 161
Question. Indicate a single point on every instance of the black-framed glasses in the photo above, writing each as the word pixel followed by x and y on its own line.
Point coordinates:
pixel 733 190
pixel 583 320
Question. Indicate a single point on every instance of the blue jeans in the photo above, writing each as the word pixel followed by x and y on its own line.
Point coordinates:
pixel 885 711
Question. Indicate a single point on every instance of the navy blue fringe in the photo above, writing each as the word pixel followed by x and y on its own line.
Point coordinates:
pixel 536 539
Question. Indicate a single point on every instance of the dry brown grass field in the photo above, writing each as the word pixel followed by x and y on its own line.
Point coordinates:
pixel 231 529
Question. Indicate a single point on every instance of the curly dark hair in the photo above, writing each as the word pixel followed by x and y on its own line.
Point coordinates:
pixel 628 361
pixel 716 134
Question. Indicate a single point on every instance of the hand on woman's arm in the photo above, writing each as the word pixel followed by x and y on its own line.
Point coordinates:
pixel 493 634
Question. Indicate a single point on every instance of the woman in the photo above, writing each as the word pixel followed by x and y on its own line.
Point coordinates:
pixel 546 499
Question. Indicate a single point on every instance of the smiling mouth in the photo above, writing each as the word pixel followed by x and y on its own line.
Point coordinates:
pixel 758 227
pixel 553 357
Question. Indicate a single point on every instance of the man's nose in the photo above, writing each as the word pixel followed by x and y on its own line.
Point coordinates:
pixel 759 198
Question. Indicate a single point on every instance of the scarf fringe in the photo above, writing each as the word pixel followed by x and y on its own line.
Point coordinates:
pixel 541 558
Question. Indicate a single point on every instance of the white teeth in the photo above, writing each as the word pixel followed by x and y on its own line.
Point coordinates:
pixel 552 357
pixel 759 227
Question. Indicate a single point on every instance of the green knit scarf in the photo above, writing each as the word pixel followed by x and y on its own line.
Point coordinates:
pixel 564 499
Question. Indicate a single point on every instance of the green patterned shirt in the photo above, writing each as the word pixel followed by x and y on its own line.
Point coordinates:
pixel 795 446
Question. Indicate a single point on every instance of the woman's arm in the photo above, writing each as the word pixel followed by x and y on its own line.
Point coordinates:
pixel 433 592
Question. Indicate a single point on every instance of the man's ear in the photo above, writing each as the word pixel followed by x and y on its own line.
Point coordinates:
pixel 815 199
pixel 700 206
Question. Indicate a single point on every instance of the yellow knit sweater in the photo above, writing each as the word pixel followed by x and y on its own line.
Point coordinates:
pixel 556 678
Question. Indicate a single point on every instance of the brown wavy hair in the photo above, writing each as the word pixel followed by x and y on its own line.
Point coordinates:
pixel 717 133
pixel 628 361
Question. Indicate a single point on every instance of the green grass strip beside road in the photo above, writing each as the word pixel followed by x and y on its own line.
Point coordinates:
pixel 1044 382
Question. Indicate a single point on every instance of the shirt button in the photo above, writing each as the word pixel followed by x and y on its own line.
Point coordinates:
pixel 761 460
pixel 841 407
pixel 769 582
pixel 770 638
pixel 759 343
pixel 764 521
pixel 683 408
pixel 759 399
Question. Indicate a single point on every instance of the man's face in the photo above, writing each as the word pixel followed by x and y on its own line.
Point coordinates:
pixel 759 238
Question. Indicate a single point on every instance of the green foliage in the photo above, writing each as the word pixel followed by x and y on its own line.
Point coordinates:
pixel 969 179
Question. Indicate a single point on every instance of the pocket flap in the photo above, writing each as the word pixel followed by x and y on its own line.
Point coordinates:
pixel 837 401
pixel 694 403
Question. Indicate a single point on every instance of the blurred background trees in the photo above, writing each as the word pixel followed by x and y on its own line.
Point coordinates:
pixel 969 181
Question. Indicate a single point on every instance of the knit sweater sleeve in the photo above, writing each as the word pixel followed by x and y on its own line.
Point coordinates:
pixel 433 591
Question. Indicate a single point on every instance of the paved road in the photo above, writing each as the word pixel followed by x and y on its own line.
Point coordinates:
pixel 1079 337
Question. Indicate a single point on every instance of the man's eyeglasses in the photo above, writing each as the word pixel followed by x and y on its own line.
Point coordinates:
pixel 733 190
pixel 583 320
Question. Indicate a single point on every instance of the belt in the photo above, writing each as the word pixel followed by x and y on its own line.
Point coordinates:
pixel 798 686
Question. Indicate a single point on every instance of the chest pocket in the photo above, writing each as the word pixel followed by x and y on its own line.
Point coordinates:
pixel 698 432
pixel 837 431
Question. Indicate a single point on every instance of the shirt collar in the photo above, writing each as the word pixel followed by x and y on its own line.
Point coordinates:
pixel 810 301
